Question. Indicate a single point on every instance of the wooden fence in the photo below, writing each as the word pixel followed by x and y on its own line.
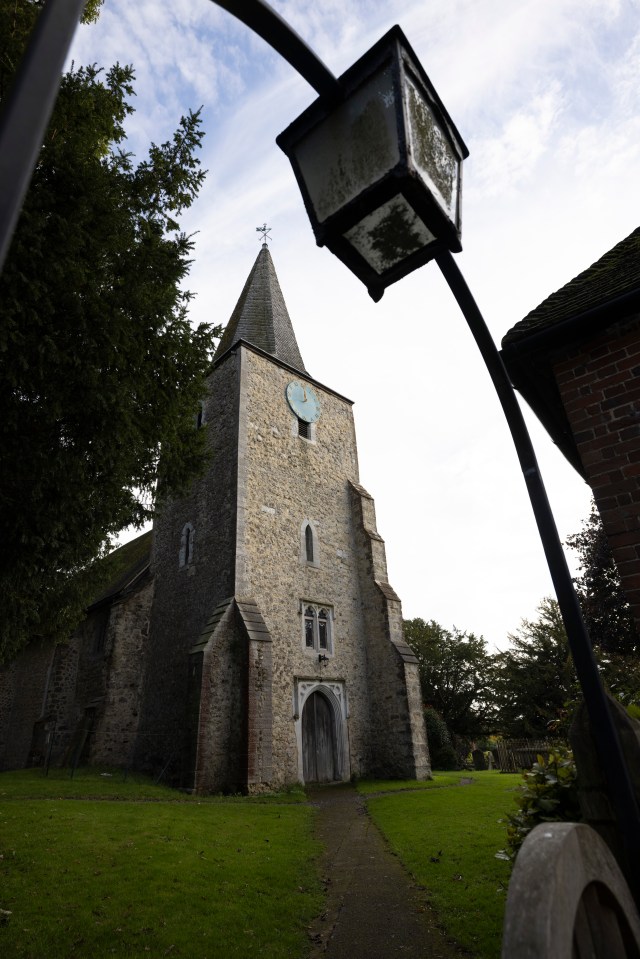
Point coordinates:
pixel 517 754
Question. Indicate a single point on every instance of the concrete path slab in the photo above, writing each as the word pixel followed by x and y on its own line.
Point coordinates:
pixel 374 909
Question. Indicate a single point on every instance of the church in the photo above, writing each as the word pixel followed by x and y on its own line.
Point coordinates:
pixel 252 639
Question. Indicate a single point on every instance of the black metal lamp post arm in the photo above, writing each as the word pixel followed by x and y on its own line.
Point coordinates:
pixel 264 21
pixel 605 734
pixel 26 115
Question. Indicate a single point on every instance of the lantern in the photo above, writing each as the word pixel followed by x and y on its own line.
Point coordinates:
pixel 380 170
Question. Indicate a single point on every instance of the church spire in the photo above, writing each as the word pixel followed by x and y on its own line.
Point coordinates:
pixel 261 316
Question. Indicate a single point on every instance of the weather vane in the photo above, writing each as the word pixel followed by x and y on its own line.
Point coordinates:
pixel 265 230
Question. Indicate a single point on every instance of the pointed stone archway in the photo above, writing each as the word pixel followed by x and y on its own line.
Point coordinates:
pixel 321 731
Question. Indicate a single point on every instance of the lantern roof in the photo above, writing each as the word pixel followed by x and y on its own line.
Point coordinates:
pixel 261 317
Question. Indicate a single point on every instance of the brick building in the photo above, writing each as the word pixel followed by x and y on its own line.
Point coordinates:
pixel 252 640
pixel 576 360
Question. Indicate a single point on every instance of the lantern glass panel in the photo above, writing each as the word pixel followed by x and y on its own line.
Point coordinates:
pixel 432 153
pixel 389 234
pixel 352 148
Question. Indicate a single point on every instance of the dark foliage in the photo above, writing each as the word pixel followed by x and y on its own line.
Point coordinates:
pixel 605 608
pixel 441 750
pixel 99 366
pixel 549 793
pixel 535 677
pixel 455 675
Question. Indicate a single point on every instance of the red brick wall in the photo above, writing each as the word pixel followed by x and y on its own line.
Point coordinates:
pixel 600 387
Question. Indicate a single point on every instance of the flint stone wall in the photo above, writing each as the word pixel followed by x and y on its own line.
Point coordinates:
pixel 117 692
pixel 186 596
pixel 290 480
pixel 58 683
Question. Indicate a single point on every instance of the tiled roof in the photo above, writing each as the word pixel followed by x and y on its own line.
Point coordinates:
pixel 261 316
pixel 615 274
pixel 607 292
pixel 123 565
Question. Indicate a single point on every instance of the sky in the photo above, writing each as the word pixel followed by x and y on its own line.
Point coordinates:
pixel 546 95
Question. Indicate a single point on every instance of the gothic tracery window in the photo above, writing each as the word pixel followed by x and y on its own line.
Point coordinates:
pixel 318 631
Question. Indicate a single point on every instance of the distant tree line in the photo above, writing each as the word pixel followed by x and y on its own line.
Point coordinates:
pixel 530 690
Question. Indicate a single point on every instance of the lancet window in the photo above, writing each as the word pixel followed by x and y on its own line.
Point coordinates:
pixel 186 545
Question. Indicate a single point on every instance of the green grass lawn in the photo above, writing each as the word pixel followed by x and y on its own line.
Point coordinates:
pixel 115 784
pixel 370 786
pixel 447 836
pixel 103 866
pixel 141 872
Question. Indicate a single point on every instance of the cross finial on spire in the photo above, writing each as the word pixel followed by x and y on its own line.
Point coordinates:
pixel 265 230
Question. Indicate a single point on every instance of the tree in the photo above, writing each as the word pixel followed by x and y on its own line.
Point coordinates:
pixel 99 367
pixel 535 677
pixel 621 676
pixel 442 752
pixel 605 608
pixel 535 685
pixel 455 675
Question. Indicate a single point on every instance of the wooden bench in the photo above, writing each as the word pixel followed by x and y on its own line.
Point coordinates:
pixel 568 899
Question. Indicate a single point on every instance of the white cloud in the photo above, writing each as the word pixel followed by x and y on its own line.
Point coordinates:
pixel 502 163
pixel 626 77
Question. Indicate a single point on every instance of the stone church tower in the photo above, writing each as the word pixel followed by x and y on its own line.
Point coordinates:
pixel 270 645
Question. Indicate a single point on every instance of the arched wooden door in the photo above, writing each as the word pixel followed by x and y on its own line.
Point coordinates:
pixel 318 740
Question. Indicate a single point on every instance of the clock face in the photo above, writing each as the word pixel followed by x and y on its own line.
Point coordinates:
pixel 303 401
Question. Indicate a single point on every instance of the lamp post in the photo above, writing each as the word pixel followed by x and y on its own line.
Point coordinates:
pixel 379 163
pixel 381 178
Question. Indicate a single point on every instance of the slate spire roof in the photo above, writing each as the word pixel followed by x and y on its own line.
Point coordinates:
pixel 261 317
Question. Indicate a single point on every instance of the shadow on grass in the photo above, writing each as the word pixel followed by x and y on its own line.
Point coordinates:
pixel 116 784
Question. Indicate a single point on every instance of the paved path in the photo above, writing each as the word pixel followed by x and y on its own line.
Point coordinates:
pixel 374 909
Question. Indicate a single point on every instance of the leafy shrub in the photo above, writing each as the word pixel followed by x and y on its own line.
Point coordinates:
pixel 443 755
pixel 549 793
pixel 634 711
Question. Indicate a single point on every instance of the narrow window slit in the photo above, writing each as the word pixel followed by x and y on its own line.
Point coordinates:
pixel 308 542
pixel 304 429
